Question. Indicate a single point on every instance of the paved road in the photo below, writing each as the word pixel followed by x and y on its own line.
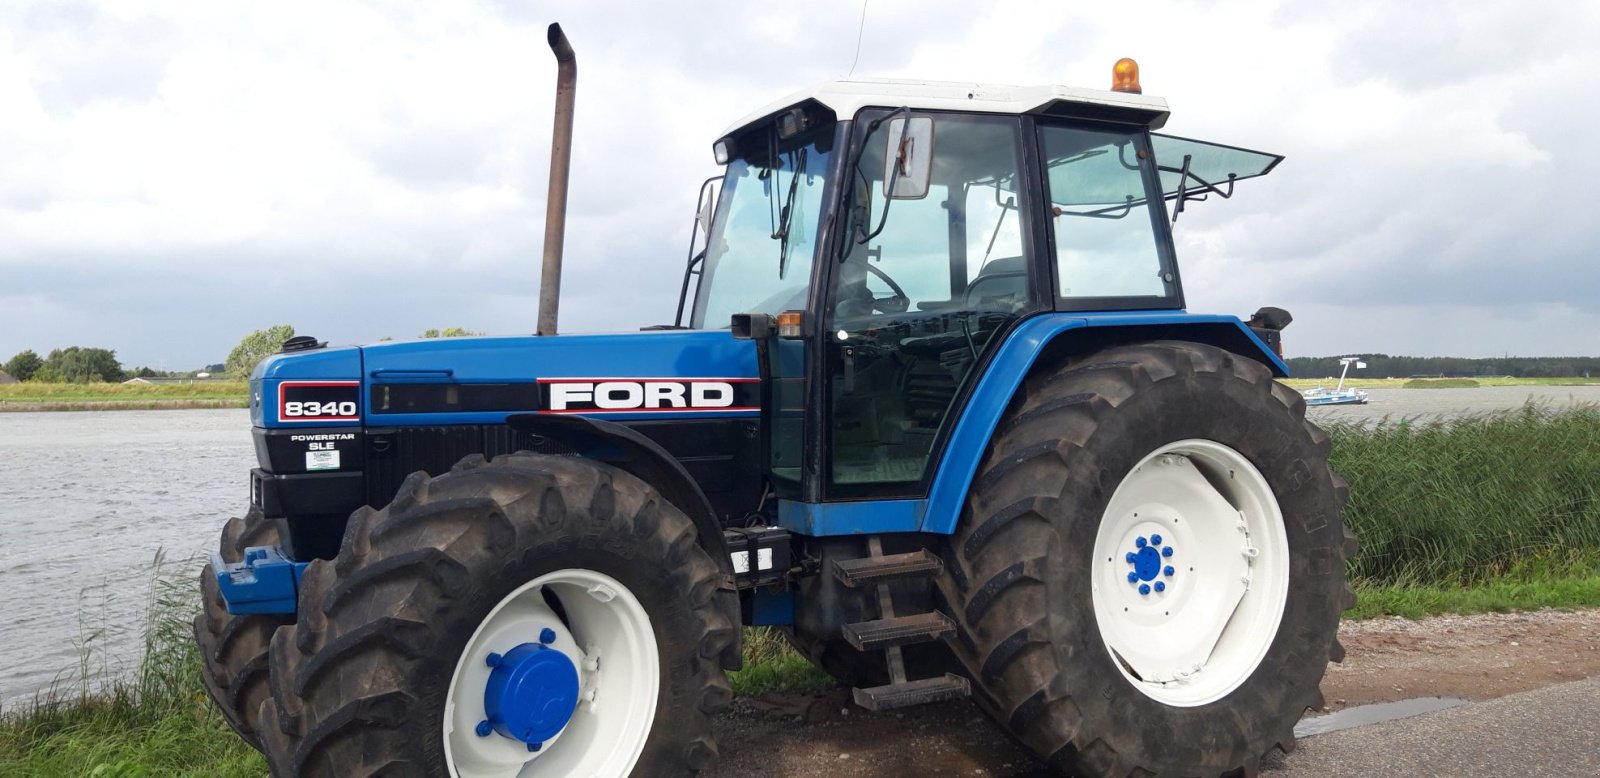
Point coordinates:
pixel 1554 731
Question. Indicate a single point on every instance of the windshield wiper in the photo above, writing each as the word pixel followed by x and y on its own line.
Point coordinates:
pixel 781 232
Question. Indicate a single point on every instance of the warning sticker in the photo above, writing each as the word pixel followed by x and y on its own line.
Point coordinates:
pixel 322 460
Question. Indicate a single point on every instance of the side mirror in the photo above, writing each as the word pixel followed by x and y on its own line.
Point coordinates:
pixel 908 158
pixel 702 217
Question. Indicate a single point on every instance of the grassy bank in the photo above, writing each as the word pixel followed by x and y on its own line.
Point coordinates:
pixel 100 397
pixel 158 722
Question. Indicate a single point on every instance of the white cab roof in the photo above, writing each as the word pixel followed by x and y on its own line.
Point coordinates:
pixel 845 97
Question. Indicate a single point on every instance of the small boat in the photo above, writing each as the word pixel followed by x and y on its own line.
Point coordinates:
pixel 1338 395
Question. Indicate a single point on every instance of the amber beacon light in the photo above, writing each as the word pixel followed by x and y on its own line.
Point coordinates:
pixel 1125 76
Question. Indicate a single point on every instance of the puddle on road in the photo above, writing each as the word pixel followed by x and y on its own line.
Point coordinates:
pixel 1362 715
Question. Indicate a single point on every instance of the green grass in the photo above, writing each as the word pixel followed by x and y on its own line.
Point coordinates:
pixel 1561 579
pixel 1441 383
pixel 771 665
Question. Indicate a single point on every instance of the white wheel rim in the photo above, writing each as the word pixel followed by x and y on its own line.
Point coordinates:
pixel 1223 573
pixel 612 645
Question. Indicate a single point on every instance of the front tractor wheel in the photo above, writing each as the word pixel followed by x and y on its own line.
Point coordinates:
pixel 529 615
pixel 233 648
pixel 1150 569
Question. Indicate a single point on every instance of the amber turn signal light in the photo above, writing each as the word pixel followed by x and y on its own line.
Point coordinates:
pixel 789 324
pixel 1125 76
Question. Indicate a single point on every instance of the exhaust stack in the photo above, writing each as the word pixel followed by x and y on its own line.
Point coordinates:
pixel 555 214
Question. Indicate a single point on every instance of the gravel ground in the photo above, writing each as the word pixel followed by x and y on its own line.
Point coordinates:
pixel 1470 657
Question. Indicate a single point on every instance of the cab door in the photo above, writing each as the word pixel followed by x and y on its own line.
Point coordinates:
pixel 922 291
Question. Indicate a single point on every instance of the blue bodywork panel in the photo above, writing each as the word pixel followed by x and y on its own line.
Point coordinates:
pixel 857 517
pixel 265 581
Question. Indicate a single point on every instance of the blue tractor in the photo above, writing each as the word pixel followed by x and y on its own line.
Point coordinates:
pixel 933 407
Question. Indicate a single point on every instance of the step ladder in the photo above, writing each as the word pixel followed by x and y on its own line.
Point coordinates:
pixel 890 631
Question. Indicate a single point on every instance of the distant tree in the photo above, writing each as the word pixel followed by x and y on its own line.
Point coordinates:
pixel 24 365
pixel 449 332
pixel 214 369
pixel 79 365
pixel 256 346
pixel 145 372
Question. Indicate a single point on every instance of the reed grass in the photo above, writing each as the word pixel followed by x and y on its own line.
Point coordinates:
pixel 1463 501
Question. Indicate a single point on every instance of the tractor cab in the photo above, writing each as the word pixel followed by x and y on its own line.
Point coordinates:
pixel 881 239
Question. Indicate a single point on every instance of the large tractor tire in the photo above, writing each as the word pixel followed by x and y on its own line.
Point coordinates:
pixel 1149 570
pixel 233 649
pixel 532 609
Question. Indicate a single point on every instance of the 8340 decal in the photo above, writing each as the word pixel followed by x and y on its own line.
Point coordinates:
pixel 302 401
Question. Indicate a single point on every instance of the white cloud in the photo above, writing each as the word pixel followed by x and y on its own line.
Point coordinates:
pixel 178 173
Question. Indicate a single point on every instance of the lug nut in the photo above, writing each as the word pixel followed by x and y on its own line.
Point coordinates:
pixel 1144 588
pixel 547 636
pixel 1155 540
pixel 1169 570
pixel 1131 557
pixel 1166 551
pixel 1133 577
pixel 493 659
pixel 1161 586
pixel 484 728
pixel 1140 542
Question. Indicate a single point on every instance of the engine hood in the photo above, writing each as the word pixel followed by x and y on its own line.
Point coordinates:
pixel 484 380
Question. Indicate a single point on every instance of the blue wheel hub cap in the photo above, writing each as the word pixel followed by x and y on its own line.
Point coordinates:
pixel 1149 560
pixel 531 694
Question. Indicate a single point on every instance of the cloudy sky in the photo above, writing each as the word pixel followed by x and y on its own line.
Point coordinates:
pixel 176 174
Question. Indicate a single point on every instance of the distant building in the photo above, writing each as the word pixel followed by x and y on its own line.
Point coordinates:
pixel 7 378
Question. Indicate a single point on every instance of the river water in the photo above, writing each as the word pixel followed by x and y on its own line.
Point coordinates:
pixel 88 500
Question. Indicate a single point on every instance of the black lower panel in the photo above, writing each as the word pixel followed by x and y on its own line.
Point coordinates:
pixel 722 455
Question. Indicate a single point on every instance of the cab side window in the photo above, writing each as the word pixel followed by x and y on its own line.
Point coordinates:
pixel 1103 220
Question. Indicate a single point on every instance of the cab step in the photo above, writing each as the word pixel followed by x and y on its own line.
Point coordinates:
pixel 874 569
pixel 908 693
pixel 899 631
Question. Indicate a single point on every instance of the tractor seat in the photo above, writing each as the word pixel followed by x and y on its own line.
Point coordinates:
pixel 1002 284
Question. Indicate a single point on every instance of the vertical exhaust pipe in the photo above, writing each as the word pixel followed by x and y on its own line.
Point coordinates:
pixel 555 214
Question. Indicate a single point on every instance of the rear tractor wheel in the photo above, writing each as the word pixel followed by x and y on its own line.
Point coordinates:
pixel 233 649
pixel 530 615
pixel 1150 568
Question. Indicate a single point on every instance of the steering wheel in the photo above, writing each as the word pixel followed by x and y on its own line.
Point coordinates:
pixel 896 304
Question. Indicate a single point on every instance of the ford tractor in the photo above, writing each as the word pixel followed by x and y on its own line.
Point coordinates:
pixel 932 407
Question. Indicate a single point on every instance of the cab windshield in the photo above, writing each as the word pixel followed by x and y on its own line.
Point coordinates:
pixel 764 234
